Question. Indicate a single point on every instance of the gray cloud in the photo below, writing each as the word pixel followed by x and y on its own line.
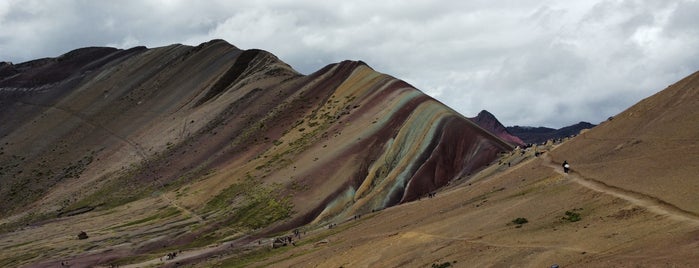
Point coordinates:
pixel 529 62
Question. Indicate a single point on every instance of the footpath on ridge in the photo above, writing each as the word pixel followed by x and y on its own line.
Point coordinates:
pixel 653 204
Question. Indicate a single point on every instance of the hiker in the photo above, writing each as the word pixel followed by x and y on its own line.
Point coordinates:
pixel 566 166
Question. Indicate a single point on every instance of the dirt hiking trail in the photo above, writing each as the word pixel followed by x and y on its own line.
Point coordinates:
pixel 653 204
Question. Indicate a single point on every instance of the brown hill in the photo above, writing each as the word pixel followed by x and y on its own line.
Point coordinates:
pixel 627 203
pixel 151 150
pixel 650 148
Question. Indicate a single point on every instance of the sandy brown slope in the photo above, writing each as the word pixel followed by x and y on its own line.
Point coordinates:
pixel 651 148
pixel 633 200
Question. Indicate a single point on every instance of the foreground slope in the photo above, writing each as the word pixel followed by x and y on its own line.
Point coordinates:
pixel 651 148
pixel 627 203
pixel 150 150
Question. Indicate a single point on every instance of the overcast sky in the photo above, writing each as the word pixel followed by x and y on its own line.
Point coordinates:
pixel 550 63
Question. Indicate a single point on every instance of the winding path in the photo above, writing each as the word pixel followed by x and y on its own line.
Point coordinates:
pixel 653 204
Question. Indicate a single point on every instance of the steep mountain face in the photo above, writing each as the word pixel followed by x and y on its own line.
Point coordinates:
pixel 213 142
pixel 629 200
pixel 533 135
pixel 488 121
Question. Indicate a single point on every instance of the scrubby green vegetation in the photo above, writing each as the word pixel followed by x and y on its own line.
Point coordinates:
pixel 23 221
pixel 113 193
pixel 166 213
pixel 442 265
pixel 520 221
pixel 74 170
pixel 251 204
pixel 572 216
pixel 27 179
pixel 13 261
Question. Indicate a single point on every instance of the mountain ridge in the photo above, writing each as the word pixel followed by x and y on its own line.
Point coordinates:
pixel 230 142
pixel 628 200
pixel 534 135
pixel 126 165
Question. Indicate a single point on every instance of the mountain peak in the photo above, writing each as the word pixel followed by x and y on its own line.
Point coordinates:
pixel 228 132
pixel 220 42
pixel 485 115
pixel 489 122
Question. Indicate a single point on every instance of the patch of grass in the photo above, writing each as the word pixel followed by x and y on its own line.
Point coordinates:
pixel 24 221
pixel 18 260
pixel 111 195
pixel 17 245
pixel 75 170
pixel 442 265
pixel 572 216
pixel 520 221
pixel 296 186
pixel 168 212
pixel 251 204
pixel 203 240
pixel 25 180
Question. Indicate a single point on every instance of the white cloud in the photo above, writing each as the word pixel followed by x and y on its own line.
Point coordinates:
pixel 529 62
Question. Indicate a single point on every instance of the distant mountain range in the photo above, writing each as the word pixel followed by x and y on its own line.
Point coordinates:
pixel 531 135
pixel 521 135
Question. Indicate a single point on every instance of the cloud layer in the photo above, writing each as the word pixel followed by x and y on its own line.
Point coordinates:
pixel 549 63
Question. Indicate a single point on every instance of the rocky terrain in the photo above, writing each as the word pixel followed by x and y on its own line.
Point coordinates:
pixel 147 152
